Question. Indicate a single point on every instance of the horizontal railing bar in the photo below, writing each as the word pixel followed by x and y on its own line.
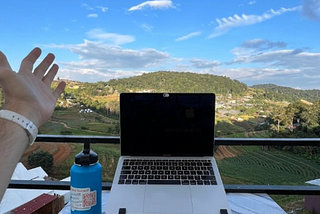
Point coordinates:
pixel 218 141
pixel 273 189
pixel 78 139
pixel 230 188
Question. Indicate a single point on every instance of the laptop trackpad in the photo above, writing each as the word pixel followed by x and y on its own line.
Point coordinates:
pixel 167 199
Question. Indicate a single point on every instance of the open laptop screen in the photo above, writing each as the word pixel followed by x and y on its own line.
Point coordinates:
pixel 170 124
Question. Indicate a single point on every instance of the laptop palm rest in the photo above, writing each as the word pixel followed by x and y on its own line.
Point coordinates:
pixel 167 199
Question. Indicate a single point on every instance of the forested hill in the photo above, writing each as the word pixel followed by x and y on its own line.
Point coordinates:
pixel 280 93
pixel 165 81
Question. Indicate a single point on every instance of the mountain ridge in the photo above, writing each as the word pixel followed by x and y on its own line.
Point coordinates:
pixel 169 81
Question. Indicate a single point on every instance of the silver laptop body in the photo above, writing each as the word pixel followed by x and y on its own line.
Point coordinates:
pixel 166 163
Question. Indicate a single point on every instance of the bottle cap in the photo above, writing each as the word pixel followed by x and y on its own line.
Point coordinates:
pixel 87 156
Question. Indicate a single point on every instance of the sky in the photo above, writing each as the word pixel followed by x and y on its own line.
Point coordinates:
pixel 252 41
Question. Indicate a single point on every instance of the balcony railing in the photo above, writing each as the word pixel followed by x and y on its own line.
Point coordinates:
pixel 269 189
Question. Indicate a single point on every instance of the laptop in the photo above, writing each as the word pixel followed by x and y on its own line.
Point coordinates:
pixel 166 163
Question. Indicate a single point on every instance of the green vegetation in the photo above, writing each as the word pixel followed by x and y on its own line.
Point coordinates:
pixel 41 158
pixel 251 165
pixel 256 165
pixel 165 81
pixel 280 93
pixel 68 121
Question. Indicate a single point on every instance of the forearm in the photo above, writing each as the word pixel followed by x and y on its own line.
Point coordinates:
pixel 14 141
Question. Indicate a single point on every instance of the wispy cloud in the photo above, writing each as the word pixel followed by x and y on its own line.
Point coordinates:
pixel 201 63
pixel 93 15
pixel 190 35
pixel 252 73
pixel 275 54
pixel 226 24
pixel 311 9
pixel 103 9
pixel 261 44
pixel 110 37
pixel 146 27
pixel 86 6
pixel 252 2
pixel 156 4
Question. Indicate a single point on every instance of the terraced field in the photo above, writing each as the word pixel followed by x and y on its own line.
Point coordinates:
pixel 60 151
pixel 253 165
pixel 63 157
pixel 108 158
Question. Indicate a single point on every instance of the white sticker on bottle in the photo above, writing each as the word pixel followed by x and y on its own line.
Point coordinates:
pixel 82 199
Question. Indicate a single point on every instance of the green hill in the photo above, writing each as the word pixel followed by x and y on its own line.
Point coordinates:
pixel 280 93
pixel 165 81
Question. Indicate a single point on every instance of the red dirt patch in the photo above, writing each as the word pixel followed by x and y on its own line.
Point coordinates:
pixel 63 153
pixel 59 151
pixel 223 152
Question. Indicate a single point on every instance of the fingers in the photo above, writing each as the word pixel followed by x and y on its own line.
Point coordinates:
pixel 44 65
pixel 28 62
pixel 48 78
pixel 58 91
pixel 40 71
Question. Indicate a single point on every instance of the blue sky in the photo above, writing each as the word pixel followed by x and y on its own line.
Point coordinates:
pixel 255 42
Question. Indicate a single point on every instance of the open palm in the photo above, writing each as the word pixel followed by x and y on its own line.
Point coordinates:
pixel 28 91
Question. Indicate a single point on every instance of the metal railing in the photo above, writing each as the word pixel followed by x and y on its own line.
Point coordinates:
pixel 269 189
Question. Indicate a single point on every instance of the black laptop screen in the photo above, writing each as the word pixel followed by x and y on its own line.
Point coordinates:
pixel 157 124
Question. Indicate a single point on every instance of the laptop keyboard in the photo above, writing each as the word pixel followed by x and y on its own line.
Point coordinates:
pixel 175 172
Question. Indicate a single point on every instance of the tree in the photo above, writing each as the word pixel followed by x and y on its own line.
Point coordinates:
pixel 41 158
pixel 277 116
pixel 291 112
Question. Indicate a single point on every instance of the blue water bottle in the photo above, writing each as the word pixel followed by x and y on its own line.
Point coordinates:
pixel 86 182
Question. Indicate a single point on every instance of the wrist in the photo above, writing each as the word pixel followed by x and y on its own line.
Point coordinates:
pixel 26 111
pixel 23 122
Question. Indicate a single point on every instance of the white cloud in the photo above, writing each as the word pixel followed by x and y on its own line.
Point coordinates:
pixel 93 75
pixel 102 62
pixel 106 56
pixel 254 47
pixel 252 2
pixel 156 4
pixel 286 58
pixel 93 15
pixel 255 61
pixel 226 24
pixel 188 36
pixel 250 73
pixel 266 61
pixel 111 37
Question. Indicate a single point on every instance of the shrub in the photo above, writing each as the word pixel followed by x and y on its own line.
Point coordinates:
pixel 41 158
